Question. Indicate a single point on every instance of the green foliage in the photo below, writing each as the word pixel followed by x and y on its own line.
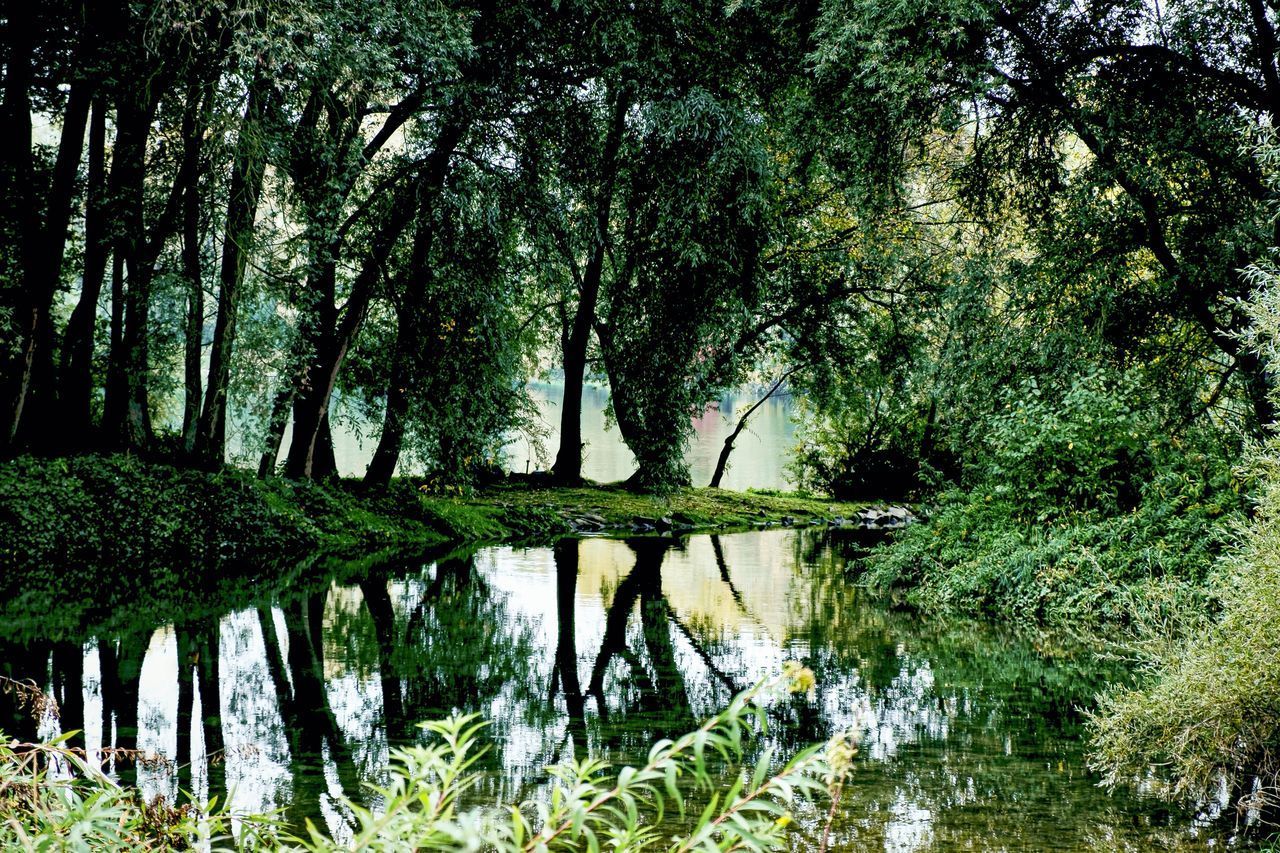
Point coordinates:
pixel 690 280
pixel 60 514
pixel 865 409
pixel 67 523
pixel 182 535
pixel 118 510
pixel 1088 448
pixel 53 798
pixel 1209 708
pixel 1077 509
pixel 589 807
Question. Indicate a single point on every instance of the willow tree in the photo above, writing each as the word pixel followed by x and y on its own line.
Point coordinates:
pixel 383 67
pixel 451 382
pixel 646 168
pixel 1111 130
pixel 447 373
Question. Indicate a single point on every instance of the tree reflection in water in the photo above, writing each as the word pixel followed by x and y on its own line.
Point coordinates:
pixel 969 735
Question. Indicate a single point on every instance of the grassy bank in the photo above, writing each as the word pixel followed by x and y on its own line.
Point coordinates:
pixel 1079 511
pixel 110 542
pixel 1089 572
pixel 514 512
pixel 57 515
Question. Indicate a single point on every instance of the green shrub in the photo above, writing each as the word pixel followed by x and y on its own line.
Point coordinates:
pixel 1209 709
pixel 1078 509
pixel 60 513
pixel 1085 447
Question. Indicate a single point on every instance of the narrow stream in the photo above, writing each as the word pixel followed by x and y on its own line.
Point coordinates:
pixel 970 737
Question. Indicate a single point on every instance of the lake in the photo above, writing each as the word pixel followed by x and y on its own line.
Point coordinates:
pixel 970 736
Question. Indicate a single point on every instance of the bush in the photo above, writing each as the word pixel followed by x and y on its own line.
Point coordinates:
pixel 1078 509
pixel 166 534
pixel 1086 447
pixel 116 510
pixel 864 432
pixel 1209 709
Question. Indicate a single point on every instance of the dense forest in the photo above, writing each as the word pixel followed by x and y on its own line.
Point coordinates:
pixel 1016 262
pixel 219 213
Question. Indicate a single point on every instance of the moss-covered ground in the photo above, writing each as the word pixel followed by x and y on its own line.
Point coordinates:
pixel 120 508
pixel 519 512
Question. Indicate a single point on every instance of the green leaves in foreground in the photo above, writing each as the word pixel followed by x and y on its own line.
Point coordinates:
pixel 676 801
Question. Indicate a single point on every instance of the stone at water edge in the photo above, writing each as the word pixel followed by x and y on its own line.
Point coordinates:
pixel 891 517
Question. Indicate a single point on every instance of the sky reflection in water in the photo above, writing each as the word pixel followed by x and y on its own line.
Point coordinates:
pixel 970 738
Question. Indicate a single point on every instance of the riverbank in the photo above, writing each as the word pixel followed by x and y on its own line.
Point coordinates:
pixel 59 514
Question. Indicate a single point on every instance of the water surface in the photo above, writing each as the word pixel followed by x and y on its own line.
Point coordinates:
pixel 759 461
pixel 970 737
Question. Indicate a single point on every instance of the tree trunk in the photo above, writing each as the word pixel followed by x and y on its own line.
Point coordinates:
pixel 191 265
pixel 660 465
pixel 312 402
pixel 565 552
pixel 671 694
pixel 113 399
pixel 408 339
pixel 77 346
pixel 310 406
pixel 42 427
pixel 208 657
pixel 121 671
pixel 136 104
pixel 568 464
pixel 18 206
pixel 129 426
pixel 722 463
pixel 248 173
pixel 41 420
pixel 312 717
pixel 275 428
pixel 68 681
pixel 325 464
pixel 409 334
pixel 408 344
pixel 391 440
pixel 185 757
pixel 382 613
pixel 641 580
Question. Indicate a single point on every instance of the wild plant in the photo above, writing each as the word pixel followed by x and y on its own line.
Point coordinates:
pixel 53 798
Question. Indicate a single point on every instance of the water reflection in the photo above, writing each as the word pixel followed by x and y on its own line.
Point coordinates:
pixel 969 737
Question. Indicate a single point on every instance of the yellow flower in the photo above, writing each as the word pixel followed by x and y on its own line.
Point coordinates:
pixel 800 679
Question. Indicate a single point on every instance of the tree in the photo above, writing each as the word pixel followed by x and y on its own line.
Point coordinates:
pixel 1112 130
pixel 651 151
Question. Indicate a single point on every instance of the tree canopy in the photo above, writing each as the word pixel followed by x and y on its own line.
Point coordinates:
pixel 275 215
